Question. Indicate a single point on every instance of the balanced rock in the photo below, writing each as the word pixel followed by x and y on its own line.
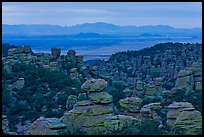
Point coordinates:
pixel 94 85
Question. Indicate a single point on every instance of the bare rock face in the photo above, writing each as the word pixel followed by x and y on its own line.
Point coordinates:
pixel 94 85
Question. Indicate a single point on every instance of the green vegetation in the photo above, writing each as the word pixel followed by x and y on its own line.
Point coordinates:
pixel 41 86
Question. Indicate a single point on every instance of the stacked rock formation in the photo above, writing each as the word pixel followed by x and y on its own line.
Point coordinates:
pixel 54 62
pixel 95 116
pixel 184 115
pixel 55 52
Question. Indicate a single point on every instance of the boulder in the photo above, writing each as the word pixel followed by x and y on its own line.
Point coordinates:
pixel 84 103
pixel 82 96
pixel 131 104
pixel 94 85
pixel 191 121
pixel 100 97
pixel 175 109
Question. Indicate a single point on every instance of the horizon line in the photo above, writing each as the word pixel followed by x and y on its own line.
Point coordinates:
pixel 109 24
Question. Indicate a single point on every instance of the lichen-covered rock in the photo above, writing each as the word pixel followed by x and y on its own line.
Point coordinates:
pixel 131 104
pixel 84 103
pixel 191 121
pixel 94 85
pixel 149 110
pixel 82 96
pixel 101 97
pixel 57 125
pixel 175 109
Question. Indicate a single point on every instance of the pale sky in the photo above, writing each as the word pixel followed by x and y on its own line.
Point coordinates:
pixel 176 14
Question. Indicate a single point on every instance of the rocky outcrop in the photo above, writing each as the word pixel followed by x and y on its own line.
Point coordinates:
pixel 45 126
pixel 94 85
pixel 96 115
pixel 149 110
pixel 175 109
pixel 191 121
pixel 131 104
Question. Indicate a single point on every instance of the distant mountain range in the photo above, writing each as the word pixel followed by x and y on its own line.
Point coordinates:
pixel 98 29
